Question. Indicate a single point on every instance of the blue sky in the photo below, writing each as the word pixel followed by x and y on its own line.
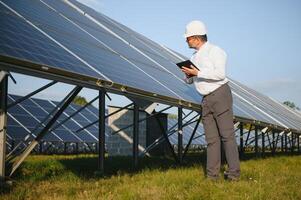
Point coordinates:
pixel 262 38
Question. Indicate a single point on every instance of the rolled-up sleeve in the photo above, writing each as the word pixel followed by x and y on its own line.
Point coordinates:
pixel 217 71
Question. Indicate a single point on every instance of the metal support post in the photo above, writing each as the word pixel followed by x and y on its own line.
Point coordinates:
pixel 282 144
pixel 41 147
pixel 274 142
pixel 256 141
pixel 65 147
pixel 292 143
pixel 298 142
pixel 101 129
pixel 135 135
pixel 241 128
pixel 76 148
pixel 262 144
pixel 3 125
pixel 285 141
pixel 180 134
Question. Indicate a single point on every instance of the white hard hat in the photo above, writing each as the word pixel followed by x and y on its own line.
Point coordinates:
pixel 195 28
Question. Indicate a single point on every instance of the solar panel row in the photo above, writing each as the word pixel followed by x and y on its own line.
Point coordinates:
pixel 24 118
pixel 69 36
pixel 97 48
pixel 263 108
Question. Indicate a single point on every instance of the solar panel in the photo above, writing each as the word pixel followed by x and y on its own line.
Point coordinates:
pixel 277 109
pixel 92 46
pixel 68 39
pixel 22 122
pixel 25 116
pixel 273 113
pixel 20 40
pixel 140 41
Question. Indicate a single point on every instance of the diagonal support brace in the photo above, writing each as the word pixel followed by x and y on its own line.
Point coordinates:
pixel 45 130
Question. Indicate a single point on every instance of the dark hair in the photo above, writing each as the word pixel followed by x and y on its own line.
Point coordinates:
pixel 202 37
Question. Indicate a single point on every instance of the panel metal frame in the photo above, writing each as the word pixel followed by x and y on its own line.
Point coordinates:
pixel 48 72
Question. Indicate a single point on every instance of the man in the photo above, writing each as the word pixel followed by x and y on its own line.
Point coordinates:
pixel 217 114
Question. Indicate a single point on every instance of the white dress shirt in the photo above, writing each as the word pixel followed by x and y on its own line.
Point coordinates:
pixel 211 61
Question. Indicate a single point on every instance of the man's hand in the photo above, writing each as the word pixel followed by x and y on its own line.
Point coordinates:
pixel 190 71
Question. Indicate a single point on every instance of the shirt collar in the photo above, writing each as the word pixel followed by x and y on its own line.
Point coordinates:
pixel 203 47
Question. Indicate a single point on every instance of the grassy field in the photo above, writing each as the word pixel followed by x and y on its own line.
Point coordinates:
pixel 74 177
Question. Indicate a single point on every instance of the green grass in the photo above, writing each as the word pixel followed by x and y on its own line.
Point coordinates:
pixel 74 177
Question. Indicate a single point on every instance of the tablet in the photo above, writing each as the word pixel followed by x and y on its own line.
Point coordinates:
pixel 186 63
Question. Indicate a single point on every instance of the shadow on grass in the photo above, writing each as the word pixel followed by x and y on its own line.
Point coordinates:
pixel 85 166
pixel 119 165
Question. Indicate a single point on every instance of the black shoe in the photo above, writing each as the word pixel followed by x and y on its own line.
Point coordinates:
pixel 212 178
pixel 231 178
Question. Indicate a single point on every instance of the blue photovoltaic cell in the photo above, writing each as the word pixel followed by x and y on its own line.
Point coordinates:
pixel 72 125
pixel 23 116
pixel 20 40
pixel 14 129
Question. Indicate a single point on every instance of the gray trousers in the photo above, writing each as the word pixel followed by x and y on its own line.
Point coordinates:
pixel 217 118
